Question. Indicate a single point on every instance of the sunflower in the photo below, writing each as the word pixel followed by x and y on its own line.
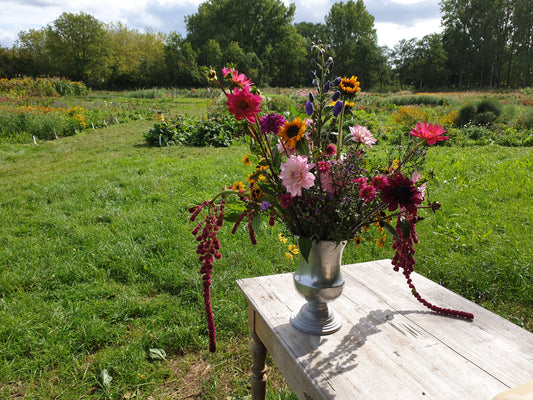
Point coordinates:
pixel 349 86
pixel 292 132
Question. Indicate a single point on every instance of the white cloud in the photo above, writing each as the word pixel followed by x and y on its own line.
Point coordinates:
pixel 394 19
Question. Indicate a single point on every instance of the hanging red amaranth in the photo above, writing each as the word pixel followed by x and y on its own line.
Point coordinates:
pixel 208 251
pixel 403 258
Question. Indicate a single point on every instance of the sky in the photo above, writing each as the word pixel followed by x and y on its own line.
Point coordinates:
pixel 394 19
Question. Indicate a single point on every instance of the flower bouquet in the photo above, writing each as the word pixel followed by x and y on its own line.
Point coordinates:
pixel 317 178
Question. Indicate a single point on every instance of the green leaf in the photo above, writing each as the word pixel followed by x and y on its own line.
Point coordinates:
pixel 405 226
pixel 303 146
pixel 256 223
pixel 305 247
pixel 105 378
pixel 390 229
pixel 157 354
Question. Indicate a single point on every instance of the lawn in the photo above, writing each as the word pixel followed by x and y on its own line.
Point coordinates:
pixel 98 271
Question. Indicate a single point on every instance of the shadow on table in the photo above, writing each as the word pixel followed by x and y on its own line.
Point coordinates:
pixel 344 357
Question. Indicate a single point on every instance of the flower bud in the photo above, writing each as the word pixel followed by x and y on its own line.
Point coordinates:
pixel 315 82
pixel 336 96
pixel 326 86
pixel 311 97
pixel 337 108
pixel 309 108
pixel 330 65
pixel 337 81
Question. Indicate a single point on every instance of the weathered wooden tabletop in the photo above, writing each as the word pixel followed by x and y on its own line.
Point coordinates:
pixel 390 346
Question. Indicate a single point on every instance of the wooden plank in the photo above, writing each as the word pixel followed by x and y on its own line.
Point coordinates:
pixel 494 344
pixel 389 345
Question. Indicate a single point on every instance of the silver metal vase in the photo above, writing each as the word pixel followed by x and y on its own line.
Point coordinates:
pixel 319 280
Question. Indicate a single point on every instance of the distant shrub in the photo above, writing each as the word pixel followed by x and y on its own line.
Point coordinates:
pixel 526 119
pixel 421 99
pixel 482 113
pixel 217 129
pixel 161 134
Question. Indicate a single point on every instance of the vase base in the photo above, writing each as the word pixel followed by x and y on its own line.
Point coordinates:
pixel 316 322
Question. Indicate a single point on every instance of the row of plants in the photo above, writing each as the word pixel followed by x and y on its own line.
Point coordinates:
pixel 217 129
pixel 41 87
pixel 24 123
pixel 475 122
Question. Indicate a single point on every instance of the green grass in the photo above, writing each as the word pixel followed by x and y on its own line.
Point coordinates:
pixel 97 263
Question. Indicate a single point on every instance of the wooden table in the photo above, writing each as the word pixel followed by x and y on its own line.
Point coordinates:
pixel 390 346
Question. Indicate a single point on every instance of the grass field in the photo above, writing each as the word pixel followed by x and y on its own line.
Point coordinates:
pixel 98 266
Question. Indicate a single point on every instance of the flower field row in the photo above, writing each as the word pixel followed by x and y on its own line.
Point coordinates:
pixel 41 87
pixel 22 123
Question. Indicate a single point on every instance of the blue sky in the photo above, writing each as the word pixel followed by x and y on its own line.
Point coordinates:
pixel 394 19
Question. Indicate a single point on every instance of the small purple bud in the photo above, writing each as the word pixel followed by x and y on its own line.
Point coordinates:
pixel 330 66
pixel 326 86
pixel 336 81
pixel 311 97
pixel 336 96
pixel 309 108
pixel 315 82
pixel 337 108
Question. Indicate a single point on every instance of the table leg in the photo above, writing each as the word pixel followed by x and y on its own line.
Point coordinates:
pixel 259 368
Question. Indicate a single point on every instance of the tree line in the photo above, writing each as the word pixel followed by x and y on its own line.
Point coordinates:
pixel 484 44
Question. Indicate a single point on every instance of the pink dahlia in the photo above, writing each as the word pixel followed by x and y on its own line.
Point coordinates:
pixel 431 133
pixel 295 175
pixel 362 135
pixel 244 104
pixel 240 80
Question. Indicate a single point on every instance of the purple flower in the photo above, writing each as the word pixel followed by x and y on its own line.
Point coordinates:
pixel 337 81
pixel 311 97
pixel 309 108
pixel 265 205
pixel 326 86
pixel 336 96
pixel 337 108
pixel 271 123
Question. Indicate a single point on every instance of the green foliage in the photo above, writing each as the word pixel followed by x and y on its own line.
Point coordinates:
pixel 216 129
pixel 161 134
pixel 420 99
pixel 482 113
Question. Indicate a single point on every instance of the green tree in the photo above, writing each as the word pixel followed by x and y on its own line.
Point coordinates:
pixel 79 47
pixel 126 56
pixel 32 53
pixel 8 63
pixel 288 62
pixel 180 60
pixel 351 33
pixel 488 42
pixel 211 54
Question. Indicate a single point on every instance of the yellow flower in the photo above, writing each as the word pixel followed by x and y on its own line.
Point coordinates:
pixel 282 238
pixel 380 241
pixel 349 86
pixel 246 160
pixel 292 132
pixel 238 186
pixel 255 192
pixel 289 256
pixel 293 249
